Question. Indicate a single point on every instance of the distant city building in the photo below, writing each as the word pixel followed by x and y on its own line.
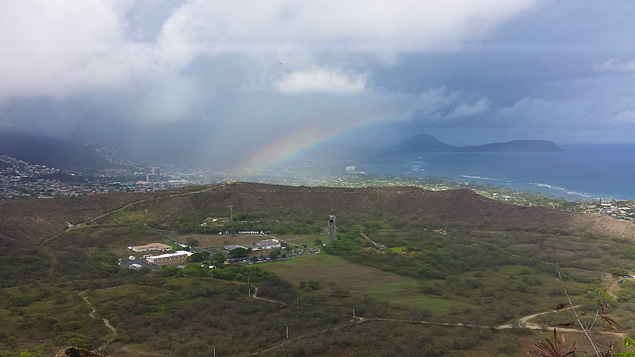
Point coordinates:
pixel 350 168
pixel 331 228
pixel 176 257
pixel 151 246
pixel 154 176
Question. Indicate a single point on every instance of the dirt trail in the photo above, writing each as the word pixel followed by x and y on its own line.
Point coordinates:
pixel 78 225
pixel 255 296
pixel 106 323
pixel 523 321
pixel 533 326
pixel 612 290
pixel 141 201
pixel 377 245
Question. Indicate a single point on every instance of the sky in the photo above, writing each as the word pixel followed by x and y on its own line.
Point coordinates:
pixel 234 82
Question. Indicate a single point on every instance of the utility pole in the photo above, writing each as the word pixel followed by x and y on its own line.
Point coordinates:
pixel 231 213
pixel 287 332
pixel 353 313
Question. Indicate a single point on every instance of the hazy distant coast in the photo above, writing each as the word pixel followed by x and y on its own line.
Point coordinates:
pixel 428 143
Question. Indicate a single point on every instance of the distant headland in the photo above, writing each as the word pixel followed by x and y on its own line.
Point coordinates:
pixel 427 143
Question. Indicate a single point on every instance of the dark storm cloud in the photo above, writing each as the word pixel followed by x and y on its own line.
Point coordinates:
pixel 203 82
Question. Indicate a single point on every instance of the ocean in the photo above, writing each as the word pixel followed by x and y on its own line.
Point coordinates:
pixel 586 171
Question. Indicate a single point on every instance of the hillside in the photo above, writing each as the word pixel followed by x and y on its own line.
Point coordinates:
pixel 459 208
pixel 38 219
pixel 427 143
pixel 453 258
pixel 52 152
pixel 453 207
pixel 423 143
pixel 516 146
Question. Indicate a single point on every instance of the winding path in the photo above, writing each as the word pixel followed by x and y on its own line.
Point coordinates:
pixel 524 321
pixel 78 225
pixel 612 290
pixel 209 188
pixel 106 323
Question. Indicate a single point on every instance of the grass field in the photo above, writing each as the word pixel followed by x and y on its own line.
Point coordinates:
pixel 408 294
pixel 332 271
pixel 307 239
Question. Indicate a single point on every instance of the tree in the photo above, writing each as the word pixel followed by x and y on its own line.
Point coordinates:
pixel 340 293
pixel 315 285
pixel 238 252
pixel 273 255
pixel 191 241
pixel 218 258
pixel 317 242
pixel 198 257
pixel 254 259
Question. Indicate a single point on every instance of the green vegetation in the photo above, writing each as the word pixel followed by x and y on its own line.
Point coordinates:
pixel 409 294
pixel 481 266
pixel 238 252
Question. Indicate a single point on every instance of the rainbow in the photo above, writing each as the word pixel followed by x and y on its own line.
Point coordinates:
pixel 289 144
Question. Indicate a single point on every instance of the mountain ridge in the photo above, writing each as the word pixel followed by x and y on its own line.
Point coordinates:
pixel 52 152
pixel 428 143
pixel 40 219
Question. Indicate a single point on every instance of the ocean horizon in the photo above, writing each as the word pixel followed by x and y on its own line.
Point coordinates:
pixel 586 171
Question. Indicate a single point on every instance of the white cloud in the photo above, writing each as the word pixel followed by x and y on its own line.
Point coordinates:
pixel 435 99
pixel 615 64
pixel 321 81
pixel 530 112
pixel 74 47
pixel 52 49
pixel 627 116
pixel 349 25
pixel 466 110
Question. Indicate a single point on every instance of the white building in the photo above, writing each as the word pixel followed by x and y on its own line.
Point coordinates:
pixel 176 257
pixel 151 246
pixel 262 245
pixel 266 244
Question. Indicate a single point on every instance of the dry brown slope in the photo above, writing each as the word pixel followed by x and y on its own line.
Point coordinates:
pixel 459 207
pixel 471 208
pixel 35 219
